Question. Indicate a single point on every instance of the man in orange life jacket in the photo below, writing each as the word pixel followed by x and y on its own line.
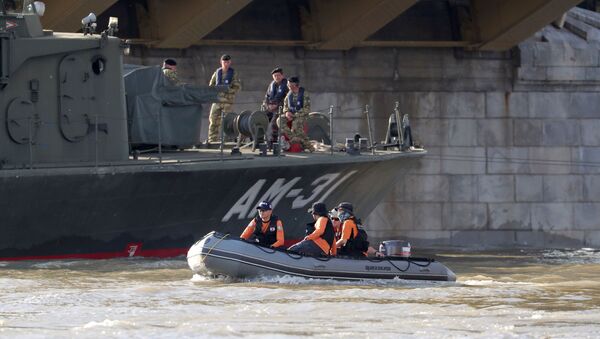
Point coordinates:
pixel 270 232
pixel 344 213
pixel 320 236
pixel 349 232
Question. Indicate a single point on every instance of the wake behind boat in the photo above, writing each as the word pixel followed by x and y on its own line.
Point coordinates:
pixel 221 254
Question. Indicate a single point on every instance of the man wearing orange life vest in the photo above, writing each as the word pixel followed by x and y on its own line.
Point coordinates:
pixel 270 232
pixel 349 230
pixel 337 228
pixel 320 236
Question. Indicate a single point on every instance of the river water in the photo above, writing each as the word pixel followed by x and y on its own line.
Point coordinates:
pixel 516 294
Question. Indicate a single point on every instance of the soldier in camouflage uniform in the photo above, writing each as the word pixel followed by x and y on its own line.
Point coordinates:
pixel 276 92
pixel 224 76
pixel 296 107
pixel 169 69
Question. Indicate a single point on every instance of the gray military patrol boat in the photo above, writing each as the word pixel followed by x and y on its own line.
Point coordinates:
pixel 84 167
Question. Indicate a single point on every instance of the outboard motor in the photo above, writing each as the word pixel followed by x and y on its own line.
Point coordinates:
pixel 395 248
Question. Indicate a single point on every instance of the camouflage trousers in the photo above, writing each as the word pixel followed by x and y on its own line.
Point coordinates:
pixel 296 134
pixel 214 119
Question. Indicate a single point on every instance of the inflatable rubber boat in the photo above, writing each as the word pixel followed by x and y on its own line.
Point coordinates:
pixel 222 254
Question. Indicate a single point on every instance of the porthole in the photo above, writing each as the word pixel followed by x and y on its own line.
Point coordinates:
pixel 98 65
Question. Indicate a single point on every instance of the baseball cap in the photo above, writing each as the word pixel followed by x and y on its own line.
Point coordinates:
pixel 264 205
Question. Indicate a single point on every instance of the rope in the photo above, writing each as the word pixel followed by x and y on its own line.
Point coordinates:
pixel 410 262
pixel 323 258
pixel 407 267
pixel 429 261
pixel 264 249
pixel 213 246
pixel 300 256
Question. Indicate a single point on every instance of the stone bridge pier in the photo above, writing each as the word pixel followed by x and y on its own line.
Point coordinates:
pixel 513 162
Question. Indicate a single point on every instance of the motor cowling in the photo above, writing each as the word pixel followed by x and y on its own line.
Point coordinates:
pixel 395 248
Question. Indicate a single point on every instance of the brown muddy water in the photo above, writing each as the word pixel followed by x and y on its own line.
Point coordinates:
pixel 514 294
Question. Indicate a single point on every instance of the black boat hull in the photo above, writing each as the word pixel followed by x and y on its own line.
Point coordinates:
pixel 162 210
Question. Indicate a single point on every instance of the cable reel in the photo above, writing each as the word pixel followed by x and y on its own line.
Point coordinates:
pixel 247 124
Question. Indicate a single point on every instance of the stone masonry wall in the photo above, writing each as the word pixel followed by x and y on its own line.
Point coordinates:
pixel 513 138
pixel 522 169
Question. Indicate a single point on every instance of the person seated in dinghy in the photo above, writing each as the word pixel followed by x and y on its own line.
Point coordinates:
pixel 320 237
pixel 351 240
pixel 270 232
pixel 337 228
pixel 350 243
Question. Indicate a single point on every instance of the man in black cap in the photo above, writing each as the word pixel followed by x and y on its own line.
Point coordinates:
pixel 223 76
pixel 320 236
pixel 169 69
pixel 276 92
pixel 270 232
pixel 296 107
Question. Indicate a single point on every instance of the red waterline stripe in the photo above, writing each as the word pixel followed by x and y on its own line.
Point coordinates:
pixel 158 253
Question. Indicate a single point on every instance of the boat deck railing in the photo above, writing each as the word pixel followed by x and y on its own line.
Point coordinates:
pixel 226 150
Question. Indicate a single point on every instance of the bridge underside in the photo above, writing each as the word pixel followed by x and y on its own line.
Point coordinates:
pixel 487 25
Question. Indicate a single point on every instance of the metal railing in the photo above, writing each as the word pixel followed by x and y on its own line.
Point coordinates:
pixel 36 123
